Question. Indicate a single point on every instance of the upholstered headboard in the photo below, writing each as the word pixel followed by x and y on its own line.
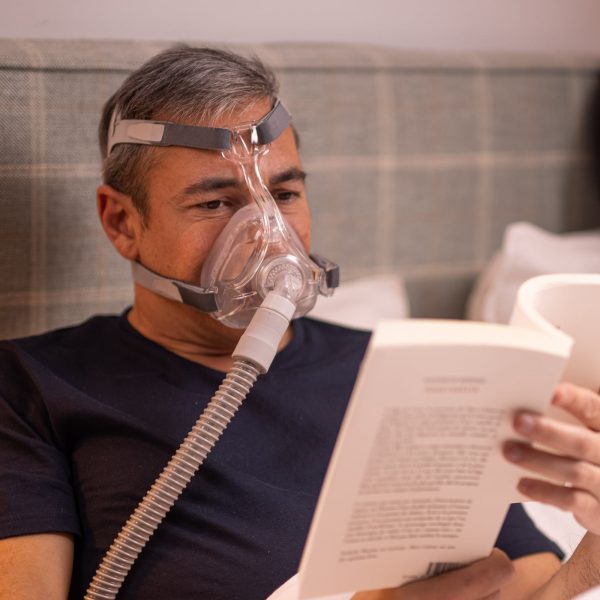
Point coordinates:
pixel 416 164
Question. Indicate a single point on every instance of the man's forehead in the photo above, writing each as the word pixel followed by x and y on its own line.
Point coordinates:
pixel 179 173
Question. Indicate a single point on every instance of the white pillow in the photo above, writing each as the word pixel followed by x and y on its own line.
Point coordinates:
pixel 593 594
pixel 527 251
pixel 361 303
pixel 556 524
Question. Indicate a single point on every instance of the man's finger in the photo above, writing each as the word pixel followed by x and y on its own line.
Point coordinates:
pixel 572 440
pixel 584 506
pixel 562 469
pixel 480 579
pixel 582 403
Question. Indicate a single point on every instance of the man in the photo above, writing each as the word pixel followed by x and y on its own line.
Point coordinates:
pixel 90 415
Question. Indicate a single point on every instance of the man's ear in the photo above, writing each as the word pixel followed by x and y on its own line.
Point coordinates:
pixel 121 221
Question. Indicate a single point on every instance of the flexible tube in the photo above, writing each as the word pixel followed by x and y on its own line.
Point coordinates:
pixel 172 481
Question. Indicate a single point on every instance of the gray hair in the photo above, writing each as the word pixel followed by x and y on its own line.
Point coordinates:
pixel 183 84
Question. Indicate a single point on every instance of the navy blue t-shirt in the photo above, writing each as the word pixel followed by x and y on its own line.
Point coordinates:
pixel 90 415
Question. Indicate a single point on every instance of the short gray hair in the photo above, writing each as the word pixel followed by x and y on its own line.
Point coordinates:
pixel 183 84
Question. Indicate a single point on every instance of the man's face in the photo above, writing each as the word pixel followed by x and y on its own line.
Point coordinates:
pixel 193 193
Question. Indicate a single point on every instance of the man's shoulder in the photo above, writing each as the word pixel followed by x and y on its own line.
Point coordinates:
pixel 31 366
pixel 89 329
pixel 92 337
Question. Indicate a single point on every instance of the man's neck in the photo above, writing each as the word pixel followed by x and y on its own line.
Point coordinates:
pixel 187 332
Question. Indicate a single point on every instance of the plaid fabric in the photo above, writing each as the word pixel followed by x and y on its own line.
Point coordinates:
pixel 416 164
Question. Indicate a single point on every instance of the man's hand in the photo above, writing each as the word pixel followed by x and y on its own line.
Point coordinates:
pixel 480 580
pixel 575 472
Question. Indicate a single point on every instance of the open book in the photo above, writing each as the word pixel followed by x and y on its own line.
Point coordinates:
pixel 417 483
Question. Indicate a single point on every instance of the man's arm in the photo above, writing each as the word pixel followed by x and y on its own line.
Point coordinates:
pixel 531 572
pixel 36 566
pixel 580 573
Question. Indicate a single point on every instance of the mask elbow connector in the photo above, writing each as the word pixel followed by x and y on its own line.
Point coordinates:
pixel 260 342
pixel 285 276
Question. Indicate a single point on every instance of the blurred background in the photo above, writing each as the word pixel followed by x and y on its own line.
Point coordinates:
pixel 548 26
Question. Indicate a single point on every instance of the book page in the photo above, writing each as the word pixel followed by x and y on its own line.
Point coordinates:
pixel 417 483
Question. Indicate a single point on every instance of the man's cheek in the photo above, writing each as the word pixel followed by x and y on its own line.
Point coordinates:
pixel 306 238
pixel 300 223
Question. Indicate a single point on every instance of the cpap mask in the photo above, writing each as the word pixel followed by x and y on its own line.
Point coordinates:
pixel 257 252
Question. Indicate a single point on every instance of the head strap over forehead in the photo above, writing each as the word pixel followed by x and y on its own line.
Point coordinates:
pixel 164 133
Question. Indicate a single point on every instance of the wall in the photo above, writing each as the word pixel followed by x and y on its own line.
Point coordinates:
pixel 559 26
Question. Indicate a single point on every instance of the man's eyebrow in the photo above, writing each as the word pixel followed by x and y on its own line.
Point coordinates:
pixel 210 184
pixel 292 174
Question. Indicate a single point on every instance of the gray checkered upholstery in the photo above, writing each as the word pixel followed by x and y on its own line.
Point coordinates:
pixel 416 164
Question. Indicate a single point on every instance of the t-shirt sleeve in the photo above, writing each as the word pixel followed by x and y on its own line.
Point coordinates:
pixel 36 495
pixel 520 537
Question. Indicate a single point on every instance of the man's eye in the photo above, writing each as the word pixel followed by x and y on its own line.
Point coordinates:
pixel 286 196
pixel 213 204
